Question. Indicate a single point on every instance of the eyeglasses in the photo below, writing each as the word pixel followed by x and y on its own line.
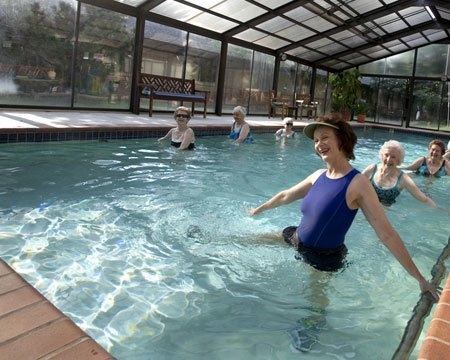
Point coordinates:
pixel 289 124
pixel 184 116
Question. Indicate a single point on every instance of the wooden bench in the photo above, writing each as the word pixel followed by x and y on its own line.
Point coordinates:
pixel 157 87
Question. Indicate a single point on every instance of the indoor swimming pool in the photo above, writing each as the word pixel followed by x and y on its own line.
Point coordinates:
pixel 150 250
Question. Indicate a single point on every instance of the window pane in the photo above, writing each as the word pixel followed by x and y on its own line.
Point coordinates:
pixel 427 104
pixel 432 60
pixel 202 65
pixel 237 78
pixel 391 101
pixel 104 59
pixel 262 79
pixel 163 54
pixel 36 53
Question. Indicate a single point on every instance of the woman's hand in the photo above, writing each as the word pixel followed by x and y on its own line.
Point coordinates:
pixel 427 287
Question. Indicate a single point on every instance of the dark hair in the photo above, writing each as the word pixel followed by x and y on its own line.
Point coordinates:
pixel 346 136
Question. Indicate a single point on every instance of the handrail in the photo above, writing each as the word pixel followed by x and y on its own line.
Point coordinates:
pixel 421 310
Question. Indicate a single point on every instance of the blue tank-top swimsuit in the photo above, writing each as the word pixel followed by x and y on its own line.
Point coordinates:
pixel 326 217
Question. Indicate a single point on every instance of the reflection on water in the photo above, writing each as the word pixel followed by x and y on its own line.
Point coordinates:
pixel 151 252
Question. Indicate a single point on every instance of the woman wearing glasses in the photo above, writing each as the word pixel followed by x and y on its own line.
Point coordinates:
pixel 287 132
pixel 182 137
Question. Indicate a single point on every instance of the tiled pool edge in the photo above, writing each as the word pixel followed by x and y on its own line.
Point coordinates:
pixel 48 134
pixel 436 344
pixel 36 328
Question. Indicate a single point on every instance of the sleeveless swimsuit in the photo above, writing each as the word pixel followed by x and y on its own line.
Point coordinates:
pixel 423 169
pixel 325 221
pixel 282 135
pixel 176 142
pixel 234 135
pixel 386 196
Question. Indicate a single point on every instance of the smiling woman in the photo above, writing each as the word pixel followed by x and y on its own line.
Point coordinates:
pixel 182 137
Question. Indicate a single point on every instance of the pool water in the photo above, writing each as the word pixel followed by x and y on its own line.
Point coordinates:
pixel 150 250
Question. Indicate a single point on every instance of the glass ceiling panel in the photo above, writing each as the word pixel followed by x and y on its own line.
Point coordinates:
pixel 273 4
pixel 341 15
pixel 238 9
pixel 300 14
pixel 295 33
pixel 201 3
pixel 364 6
pixel 131 2
pixel 435 35
pixel 379 54
pixel 250 35
pixel 415 16
pixel 312 55
pixel 276 24
pixel 445 13
pixel 175 10
pixel 212 22
pixel 332 48
pixel 317 23
pixel 272 42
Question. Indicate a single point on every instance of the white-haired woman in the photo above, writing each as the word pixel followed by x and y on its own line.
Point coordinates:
pixel 287 132
pixel 388 180
pixel 240 130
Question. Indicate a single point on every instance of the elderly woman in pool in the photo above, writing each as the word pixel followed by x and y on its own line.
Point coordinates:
pixel 287 132
pixel 182 137
pixel 331 199
pixel 240 130
pixel 433 165
pixel 388 180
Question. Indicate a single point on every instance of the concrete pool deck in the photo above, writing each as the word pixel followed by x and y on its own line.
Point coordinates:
pixel 35 328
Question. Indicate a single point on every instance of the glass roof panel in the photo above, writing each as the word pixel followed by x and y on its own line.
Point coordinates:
pixel 131 2
pixel 250 35
pixel 445 13
pixel 295 33
pixel 435 35
pixel 212 22
pixel 275 24
pixel 175 10
pixel 391 23
pixel 415 15
pixel 317 23
pixel 300 14
pixel 364 6
pixel 380 54
pixel 273 4
pixel 272 42
pixel 311 55
pixel 332 48
pixel 238 9
pixel 201 3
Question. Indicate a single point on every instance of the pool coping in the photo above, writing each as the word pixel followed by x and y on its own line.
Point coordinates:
pixel 36 329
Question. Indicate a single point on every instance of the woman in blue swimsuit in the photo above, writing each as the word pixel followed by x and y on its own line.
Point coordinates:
pixel 240 130
pixel 433 165
pixel 388 180
pixel 331 199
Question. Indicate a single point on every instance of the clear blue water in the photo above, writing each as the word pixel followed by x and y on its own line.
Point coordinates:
pixel 150 250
